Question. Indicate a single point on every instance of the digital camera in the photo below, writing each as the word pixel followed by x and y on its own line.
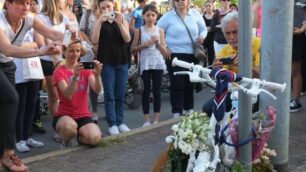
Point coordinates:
pixel 110 15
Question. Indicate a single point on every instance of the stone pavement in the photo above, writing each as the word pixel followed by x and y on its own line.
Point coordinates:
pixel 131 152
pixel 135 151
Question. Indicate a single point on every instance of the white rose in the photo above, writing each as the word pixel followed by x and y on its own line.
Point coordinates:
pixel 170 139
pixel 175 128
pixel 183 146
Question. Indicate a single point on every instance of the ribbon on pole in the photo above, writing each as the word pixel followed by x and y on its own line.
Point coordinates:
pixel 223 77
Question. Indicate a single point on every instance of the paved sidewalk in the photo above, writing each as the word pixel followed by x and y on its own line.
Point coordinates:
pixel 136 150
pixel 126 153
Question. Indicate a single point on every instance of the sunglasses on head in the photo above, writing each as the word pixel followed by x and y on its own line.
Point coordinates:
pixel 179 0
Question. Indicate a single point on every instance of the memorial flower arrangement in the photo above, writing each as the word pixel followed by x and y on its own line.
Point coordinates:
pixel 262 163
pixel 189 136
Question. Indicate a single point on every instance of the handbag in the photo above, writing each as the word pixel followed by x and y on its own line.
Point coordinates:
pixel 198 49
pixel 134 79
pixel 32 69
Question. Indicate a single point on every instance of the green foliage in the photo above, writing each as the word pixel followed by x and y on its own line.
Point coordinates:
pixel 234 2
pixel 199 3
pixel 264 165
pixel 105 143
pixel 177 161
pixel 237 167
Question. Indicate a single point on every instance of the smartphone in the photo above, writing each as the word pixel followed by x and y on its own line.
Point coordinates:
pixel 227 60
pixel 88 65
pixel 67 38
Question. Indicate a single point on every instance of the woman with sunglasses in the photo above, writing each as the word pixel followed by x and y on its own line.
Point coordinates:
pixel 219 39
pixel 180 45
pixel 14 23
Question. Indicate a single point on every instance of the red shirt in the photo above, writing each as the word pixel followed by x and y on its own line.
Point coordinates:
pixel 77 106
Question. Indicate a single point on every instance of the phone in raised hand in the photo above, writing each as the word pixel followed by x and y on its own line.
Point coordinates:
pixel 88 65
pixel 67 37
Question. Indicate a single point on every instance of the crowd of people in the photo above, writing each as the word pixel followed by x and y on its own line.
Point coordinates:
pixel 112 36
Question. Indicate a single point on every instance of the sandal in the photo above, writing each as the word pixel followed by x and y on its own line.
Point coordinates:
pixel 13 164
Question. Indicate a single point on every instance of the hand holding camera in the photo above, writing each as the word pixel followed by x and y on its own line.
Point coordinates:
pixel 109 16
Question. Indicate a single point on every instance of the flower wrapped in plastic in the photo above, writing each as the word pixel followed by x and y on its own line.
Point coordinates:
pixel 262 124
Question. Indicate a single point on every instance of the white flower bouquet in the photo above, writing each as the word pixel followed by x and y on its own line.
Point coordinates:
pixel 190 136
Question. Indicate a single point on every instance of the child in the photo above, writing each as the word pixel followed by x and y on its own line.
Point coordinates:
pixel 150 43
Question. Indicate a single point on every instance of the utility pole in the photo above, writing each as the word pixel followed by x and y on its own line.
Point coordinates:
pixel 245 68
pixel 276 48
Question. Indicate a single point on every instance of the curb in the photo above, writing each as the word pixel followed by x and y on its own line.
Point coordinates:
pixel 105 139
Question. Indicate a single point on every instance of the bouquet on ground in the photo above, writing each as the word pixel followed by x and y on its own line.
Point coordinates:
pixel 261 164
pixel 190 136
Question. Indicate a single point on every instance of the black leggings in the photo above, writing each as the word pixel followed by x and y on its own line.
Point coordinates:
pixel 181 92
pixel 8 106
pixel 26 108
pixel 156 76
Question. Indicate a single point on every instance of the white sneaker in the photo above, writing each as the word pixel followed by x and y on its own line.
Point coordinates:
pixel 113 130
pixel 21 146
pixel 123 128
pixel 33 143
pixel 146 124
pixel 176 115
pixel 187 112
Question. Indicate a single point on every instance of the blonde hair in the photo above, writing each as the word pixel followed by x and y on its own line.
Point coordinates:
pixel 64 48
pixel 51 8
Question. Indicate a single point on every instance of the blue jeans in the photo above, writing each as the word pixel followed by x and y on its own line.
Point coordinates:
pixel 114 80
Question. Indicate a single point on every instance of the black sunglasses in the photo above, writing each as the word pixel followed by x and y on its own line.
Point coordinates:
pixel 179 0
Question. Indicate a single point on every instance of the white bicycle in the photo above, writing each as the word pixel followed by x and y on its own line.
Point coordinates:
pixel 208 160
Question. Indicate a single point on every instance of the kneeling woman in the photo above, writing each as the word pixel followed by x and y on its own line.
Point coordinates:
pixel 72 81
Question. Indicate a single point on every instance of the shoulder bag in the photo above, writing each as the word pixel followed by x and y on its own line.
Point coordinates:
pixel 198 50
pixel 134 79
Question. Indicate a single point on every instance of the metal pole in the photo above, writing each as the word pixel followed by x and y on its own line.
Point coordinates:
pixel 276 48
pixel 245 107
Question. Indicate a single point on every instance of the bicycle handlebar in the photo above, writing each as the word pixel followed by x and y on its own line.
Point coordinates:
pixel 263 83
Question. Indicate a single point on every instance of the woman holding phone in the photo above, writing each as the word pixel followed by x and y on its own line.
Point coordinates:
pixel 72 81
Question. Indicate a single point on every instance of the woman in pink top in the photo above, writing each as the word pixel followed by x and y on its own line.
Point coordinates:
pixel 72 80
